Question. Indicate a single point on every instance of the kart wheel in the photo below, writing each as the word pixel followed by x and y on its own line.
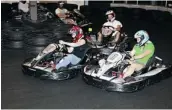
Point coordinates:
pixel 65 77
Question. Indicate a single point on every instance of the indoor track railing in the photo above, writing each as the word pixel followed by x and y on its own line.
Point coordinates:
pixel 153 5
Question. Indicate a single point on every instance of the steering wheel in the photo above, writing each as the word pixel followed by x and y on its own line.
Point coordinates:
pixel 111 45
pixel 63 48
pixel 108 27
pixel 128 56
pixel 106 31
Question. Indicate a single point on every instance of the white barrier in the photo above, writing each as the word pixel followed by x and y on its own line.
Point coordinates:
pixel 146 7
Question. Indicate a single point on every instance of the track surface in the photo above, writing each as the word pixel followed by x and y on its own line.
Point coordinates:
pixel 20 91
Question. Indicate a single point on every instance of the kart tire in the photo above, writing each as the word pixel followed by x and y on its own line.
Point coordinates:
pixel 13 44
pixel 39 38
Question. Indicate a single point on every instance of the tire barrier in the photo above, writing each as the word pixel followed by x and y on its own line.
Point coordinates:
pixel 15 33
pixel 32 50
pixel 39 38
pixel 61 31
pixel 35 41
pixel 5 25
pixel 13 37
pixel 13 44
pixel 3 38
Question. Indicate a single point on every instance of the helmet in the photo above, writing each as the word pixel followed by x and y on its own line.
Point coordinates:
pixel 61 2
pixel 110 12
pixel 76 33
pixel 143 35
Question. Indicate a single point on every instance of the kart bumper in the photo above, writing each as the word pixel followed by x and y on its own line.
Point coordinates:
pixel 127 87
pixel 62 75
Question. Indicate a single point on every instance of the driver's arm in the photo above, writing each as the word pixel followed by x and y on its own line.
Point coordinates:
pixel 118 28
pixel 81 42
pixel 59 14
pixel 149 48
pixel 145 53
pixel 132 52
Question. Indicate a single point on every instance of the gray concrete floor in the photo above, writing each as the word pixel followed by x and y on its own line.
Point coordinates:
pixel 20 91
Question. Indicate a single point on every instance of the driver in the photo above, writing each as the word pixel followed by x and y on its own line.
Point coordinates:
pixel 76 49
pixel 23 6
pixel 141 53
pixel 63 14
pixel 113 25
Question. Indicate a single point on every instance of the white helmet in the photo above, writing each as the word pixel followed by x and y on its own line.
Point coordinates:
pixel 143 35
pixel 110 12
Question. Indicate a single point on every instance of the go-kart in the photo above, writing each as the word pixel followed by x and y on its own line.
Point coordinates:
pixel 78 17
pixel 97 51
pixel 41 66
pixel 106 75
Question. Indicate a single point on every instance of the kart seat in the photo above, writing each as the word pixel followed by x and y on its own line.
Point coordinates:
pixel 145 69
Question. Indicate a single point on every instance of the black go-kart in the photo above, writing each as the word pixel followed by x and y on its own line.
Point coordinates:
pixel 41 65
pixel 106 75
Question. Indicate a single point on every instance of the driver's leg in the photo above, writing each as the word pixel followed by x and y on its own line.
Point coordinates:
pixel 50 48
pixel 70 58
pixel 115 38
pixel 100 37
pixel 133 67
